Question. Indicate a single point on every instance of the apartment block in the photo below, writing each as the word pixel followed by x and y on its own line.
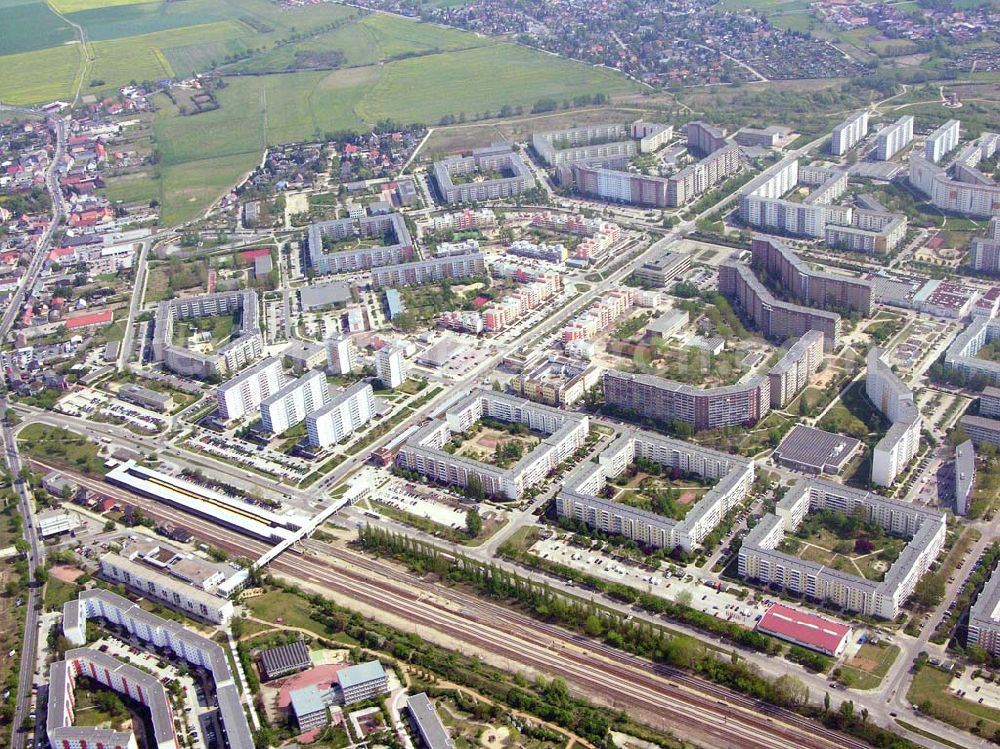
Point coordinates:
pixel 580 498
pixel 965 476
pixel 925 529
pixel 894 400
pixel 486 174
pixel 432 270
pixel 893 138
pixel 942 141
pixel 961 355
pixel 984 617
pixel 984 252
pixel 871 232
pixel 243 394
pixel 828 290
pixel 703 138
pixel 590 143
pixel 391 366
pixel 960 187
pixel 648 396
pixel 981 429
pixel 849 133
pixel 775 318
pixel 341 356
pixel 384 240
pixel 791 374
pixel 293 401
pixel 989 402
pixel 651 135
pixel 341 416
pixel 566 433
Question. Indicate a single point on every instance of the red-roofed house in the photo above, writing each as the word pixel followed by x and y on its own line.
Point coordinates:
pixel 808 630
pixel 104 317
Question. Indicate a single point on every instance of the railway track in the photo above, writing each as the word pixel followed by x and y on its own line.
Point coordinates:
pixel 668 696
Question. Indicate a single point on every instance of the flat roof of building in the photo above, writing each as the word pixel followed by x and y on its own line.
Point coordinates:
pixel 362 673
pixel 432 730
pixel 307 701
pixel 285 657
pixel 323 294
pixel 815 448
pixel 807 629
pixel 441 352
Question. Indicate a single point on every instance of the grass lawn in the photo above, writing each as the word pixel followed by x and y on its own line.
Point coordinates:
pixel 188 189
pixel 871 664
pixel 32 25
pixel 74 6
pixel 57 593
pixel 57 445
pixel 929 691
pixel 285 609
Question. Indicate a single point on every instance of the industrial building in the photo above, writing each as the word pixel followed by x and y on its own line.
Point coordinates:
pixel 185 644
pixel 343 415
pixel 810 450
pixel 292 402
pixel 151 399
pixel 649 396
pixel 54 522
pixel 760 560
pixel 246 344
pixel 894 400
pixel 565 433
pixel 581 495
pixel 244 393
pixel 805 629
pixel 486 174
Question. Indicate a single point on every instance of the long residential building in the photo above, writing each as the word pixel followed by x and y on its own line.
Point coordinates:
pixel 703 138
pixel 942 141
pixel 195 649
pixel 244 393
pixel 965 476
pixel 984 617
pixel 246 344
pixel 894 400
pixel 849 133
pixel 791 374
pixel 872 232
pixel 294 401
pixel 763 205
pixel 961 355
pixel 773 258
pixel 134 683
pixel 981 430
pixel 960 187
pixel 176 594
pixel 430 271
pixel 342 416
pixel 377 241
pixel 424 453
pixel 486 174
pixel 648 396
pixel 776 319
pixel 590 143
pixel 580 498
pixel 925 528
pixel 893 138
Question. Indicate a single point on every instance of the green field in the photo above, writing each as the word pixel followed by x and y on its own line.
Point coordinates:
pixel 31 26
pixel 188 189
pixel 145 18
pixel 74 6
pixel 39 76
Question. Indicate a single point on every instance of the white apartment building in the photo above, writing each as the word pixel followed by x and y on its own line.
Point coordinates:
pixel 894 137
pixel 294 401
pixel 760 560
pixel 391 366
pixel 243 394
pixel 341 356
pixel 343 415
pixel 942 141
pixel 178 595
pixel 848 133
pixel 894 399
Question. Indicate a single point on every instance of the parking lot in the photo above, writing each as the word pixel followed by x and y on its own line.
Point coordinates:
pixel 663 582
pixel 419 501
pixel 88 404
pixel 247 454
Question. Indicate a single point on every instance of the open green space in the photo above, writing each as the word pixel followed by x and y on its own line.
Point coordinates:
pixel 867 668
pixel 286 609
pixel 219 329
pixel 39 76
pixel 106 23
pixel 57 445
pixel 74 6
pixel 853 415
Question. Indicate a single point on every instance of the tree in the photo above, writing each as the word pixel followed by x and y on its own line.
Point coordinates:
pixel 474 488
pixel 847 709
pixel 473 523
pixel 826 702
pixel 790 690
